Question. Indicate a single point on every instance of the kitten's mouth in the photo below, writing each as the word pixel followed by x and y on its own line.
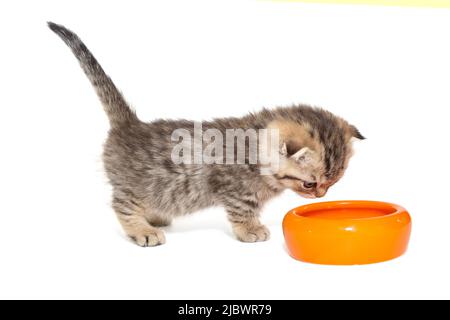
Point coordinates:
pixel 306 195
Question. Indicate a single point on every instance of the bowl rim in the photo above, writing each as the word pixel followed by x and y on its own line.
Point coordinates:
pixel 299 212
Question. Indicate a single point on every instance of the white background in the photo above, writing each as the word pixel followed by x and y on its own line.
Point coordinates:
pixel 387 70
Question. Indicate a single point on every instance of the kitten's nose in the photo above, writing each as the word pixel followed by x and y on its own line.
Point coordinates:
pixel 320 192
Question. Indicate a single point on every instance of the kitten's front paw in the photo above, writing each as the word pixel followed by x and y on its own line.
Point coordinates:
pixel 158 221
pixel 149 238
pixel 246 233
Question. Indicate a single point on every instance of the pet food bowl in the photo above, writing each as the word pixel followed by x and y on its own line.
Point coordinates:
pixel 347 232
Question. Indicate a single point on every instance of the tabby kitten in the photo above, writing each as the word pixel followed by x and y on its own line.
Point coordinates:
pixel 150 189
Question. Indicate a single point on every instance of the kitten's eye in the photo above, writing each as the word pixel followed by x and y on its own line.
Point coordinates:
pixel 309 185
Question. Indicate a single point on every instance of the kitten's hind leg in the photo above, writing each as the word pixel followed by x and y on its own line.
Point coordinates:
pixel 131 215
pixel 246 224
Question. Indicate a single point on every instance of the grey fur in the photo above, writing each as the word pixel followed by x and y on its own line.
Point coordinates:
pixel 115 105
pixel 149 189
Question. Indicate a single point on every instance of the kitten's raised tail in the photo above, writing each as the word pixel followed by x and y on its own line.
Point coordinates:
pixel 116 107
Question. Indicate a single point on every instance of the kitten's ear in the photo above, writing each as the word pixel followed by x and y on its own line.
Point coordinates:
pixel 283 150
pixel 355 133
pixel 304 155
pixel 299 154
pixel 289 148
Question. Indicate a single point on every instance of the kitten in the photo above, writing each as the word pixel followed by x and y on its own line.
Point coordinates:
pixel 150 189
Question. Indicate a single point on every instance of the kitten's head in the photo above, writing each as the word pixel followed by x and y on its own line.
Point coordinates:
pixel 315 149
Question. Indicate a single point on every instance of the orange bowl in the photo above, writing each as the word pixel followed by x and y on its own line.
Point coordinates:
pixel 347 232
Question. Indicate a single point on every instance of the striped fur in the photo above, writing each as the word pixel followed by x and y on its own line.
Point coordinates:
pixel 113 102
pixel 149 190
